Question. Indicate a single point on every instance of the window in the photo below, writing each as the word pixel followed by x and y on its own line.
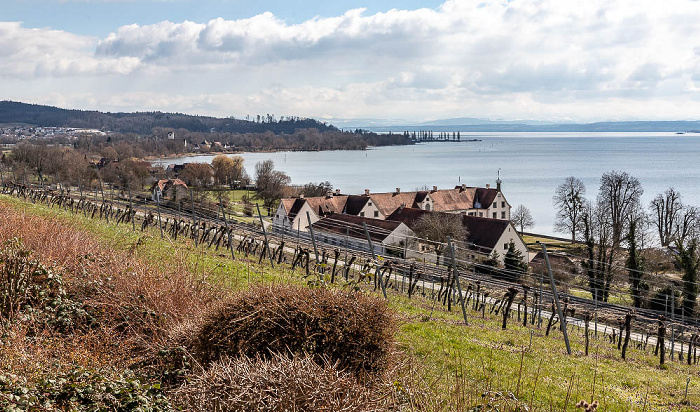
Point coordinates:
pixel 481 214
pixel 369 203
pixel 505 246
pixel 494 214
pixel 471 213
pixel 427 206
pixel 503 215
pixel 503 204
pixel 376 213
pixel 495 204
pixel 362 214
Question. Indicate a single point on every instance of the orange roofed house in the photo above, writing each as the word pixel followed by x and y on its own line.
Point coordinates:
pixel 486 202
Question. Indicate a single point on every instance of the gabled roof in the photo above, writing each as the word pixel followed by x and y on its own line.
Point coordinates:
pixel 355 204
pixel 453 199
pixel 483 232
pixel 324 205
pixel 343 224
pixel 388 202
pixel 485 196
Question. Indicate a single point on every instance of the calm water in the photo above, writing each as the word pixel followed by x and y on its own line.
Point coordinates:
pixel 532 165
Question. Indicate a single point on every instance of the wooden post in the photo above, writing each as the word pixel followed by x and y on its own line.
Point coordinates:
pixel 262 225
pixel 628 327
pixel 313 238
pixel 374 257
pixel 223 214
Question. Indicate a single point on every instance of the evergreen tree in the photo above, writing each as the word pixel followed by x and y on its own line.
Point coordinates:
pixel 514 263
pixel 635 266
pixel 689 261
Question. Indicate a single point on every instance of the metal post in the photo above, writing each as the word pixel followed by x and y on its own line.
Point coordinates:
pixel 223 214
pixel 194 219
pixel 456 275
pixel 313 238
pixel 160 224
pixel 374 257
pixel 269 252
pixel 539 317
pixel 562 320
pixel 595 313
pixel 131 211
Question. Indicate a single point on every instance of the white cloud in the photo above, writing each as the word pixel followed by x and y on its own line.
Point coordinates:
pixel 36 53
pixel 509 59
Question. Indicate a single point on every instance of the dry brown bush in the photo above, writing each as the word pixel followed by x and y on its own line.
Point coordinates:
pixel 350 328
pixel 138 301
pixel 279 383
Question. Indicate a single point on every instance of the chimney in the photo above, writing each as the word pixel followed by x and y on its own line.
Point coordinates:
pixel 337 192
pixel 301 196
pixel 498 184
pixel 488 185
pixel 464 187
pixel 366 192
pixel 434 188
pixel 398 190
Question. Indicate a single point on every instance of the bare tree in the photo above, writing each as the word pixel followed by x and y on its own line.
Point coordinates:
pixel 569 200
pixel 270 183
pixel 522 218
pixel 436 227
pixel 618 197
pixel 667 210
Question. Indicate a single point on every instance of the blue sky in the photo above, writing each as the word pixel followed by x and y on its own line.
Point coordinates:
pixel 412 60
pixel 100 17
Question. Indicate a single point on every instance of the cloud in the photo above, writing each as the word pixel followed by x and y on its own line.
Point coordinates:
pixel 491 58
pixel 37 53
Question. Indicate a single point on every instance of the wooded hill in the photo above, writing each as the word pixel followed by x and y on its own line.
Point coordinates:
pixel 144 122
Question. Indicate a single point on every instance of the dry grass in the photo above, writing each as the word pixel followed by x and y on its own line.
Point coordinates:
pixel 135 304
pixel 278 383
pixel 353 329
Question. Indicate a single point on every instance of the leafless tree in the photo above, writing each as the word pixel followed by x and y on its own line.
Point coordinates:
pixel 522 218
pixel 667 212
pixel 436 227
pixel 270 183
pixel 618 199
pixel 569 200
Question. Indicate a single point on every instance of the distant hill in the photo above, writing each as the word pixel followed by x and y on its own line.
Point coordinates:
pixel 144 122
pixel 482 125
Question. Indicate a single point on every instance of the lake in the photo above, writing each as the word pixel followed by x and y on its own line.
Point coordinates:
pixel 531 165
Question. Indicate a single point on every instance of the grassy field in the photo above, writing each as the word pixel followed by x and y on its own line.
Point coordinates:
pixel 447 365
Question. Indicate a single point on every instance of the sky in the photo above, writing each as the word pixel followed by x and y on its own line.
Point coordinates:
pixel 402 61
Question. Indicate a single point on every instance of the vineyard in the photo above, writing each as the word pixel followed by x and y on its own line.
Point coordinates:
pixel 462 292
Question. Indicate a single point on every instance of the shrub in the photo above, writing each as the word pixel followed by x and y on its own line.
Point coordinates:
pixel 279 383
pixel 81 389
pixel 350 328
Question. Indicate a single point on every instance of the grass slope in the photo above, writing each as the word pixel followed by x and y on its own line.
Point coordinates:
pixel 450 366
